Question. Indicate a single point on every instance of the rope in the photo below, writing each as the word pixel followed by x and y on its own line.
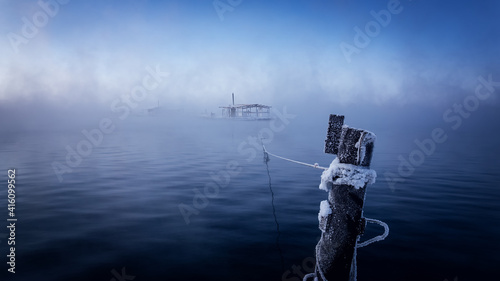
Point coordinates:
pixel 316 165
pixel 266 159
pixel 376 238
pixel 309 276
pixel 321 274
pixel 353 275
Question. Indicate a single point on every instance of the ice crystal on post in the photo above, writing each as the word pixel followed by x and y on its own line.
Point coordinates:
pixel 346 174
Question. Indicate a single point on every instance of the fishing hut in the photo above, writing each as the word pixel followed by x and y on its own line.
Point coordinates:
pixel 246 111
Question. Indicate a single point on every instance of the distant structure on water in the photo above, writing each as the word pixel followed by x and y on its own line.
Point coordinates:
pixel 158 111
pixel 154 110
pixel 246 111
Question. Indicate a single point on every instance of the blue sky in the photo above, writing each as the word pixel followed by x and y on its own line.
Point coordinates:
pixel 264 51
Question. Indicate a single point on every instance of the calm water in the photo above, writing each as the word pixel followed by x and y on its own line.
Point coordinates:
pixel 119 209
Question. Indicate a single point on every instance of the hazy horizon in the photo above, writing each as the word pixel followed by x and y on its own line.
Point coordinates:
pixel 83 56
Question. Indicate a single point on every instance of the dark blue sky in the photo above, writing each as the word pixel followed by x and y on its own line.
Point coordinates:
pixel 264 51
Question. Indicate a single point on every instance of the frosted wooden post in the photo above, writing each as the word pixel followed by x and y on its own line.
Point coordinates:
pixel 341 227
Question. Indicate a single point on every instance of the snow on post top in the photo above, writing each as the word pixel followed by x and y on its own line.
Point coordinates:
pixel 346 174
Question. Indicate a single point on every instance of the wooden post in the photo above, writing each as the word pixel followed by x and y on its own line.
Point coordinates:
pixel 343 222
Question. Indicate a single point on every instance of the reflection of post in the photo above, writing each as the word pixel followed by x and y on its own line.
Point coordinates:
pixel 340 218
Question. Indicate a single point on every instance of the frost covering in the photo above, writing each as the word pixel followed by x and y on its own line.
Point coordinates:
pixel 324 209
pixel 367 137
pixel 346 174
